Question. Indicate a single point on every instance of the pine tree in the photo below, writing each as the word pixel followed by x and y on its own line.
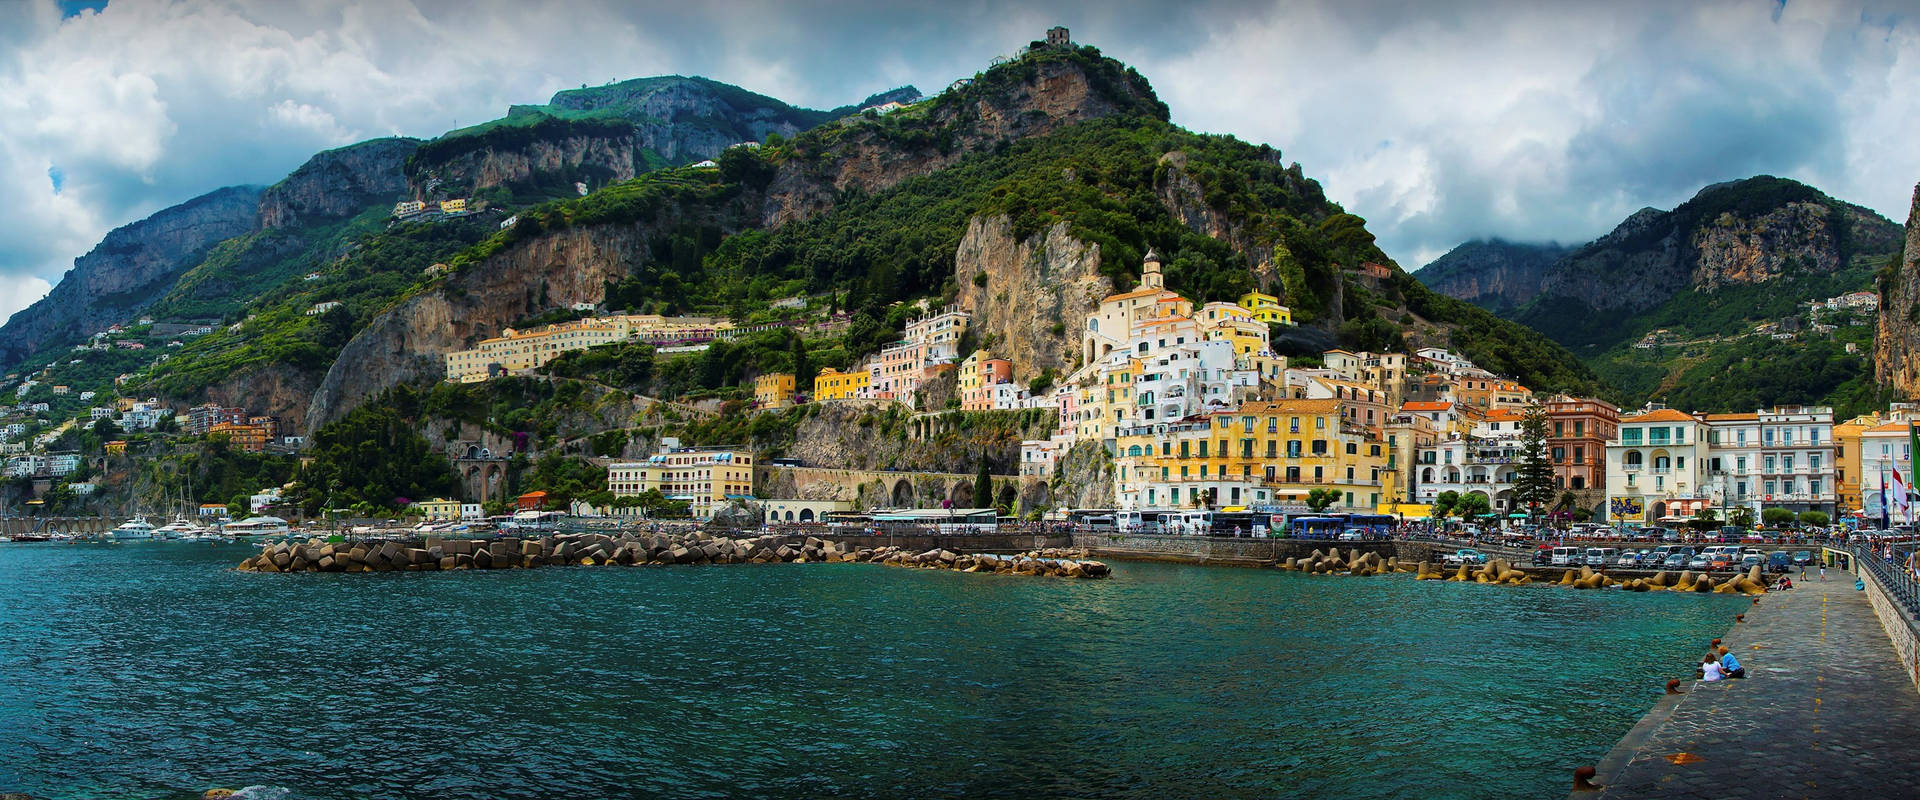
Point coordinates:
pixel 1533 487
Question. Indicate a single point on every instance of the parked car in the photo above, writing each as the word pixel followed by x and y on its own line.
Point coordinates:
pixel 1599 556
pixel 1702 561
pixel 1350 536
pixel 1464 555
pixel 1567 557
pixel 1542 555
pixel 1779 561
pixel 1629 559
pixel 1802 558
pixel 1751 560
pixel 1676 561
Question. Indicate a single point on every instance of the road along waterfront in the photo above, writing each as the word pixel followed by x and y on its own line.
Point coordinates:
pixel 156 670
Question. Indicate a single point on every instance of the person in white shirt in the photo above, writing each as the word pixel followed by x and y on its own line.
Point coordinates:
pixel 1710 669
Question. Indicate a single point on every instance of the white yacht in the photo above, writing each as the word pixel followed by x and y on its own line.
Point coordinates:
pixel 258 526
pixel 136 528
pixel 182 528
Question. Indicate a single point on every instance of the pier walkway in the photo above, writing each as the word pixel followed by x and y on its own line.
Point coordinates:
pixel 1826 711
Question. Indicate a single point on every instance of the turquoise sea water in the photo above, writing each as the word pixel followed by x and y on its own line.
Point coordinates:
pixel 153 670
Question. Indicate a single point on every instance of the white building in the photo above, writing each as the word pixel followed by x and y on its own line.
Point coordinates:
pixel 1656 469
pixel 1778 458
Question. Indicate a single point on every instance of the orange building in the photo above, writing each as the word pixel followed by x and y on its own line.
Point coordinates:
pixel 247 437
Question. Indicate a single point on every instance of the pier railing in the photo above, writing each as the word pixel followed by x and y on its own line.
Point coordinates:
pixel 1899 583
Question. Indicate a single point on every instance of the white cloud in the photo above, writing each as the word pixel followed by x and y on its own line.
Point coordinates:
pixel 1436 122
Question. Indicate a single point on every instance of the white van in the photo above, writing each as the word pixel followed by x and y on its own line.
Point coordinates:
pixel 1601 556
pixel 1566 557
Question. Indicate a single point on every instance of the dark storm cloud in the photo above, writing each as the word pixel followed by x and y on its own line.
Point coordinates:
pixel 1438 122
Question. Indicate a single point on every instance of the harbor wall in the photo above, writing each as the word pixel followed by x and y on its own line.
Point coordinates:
pixel 1234 550
pixel 1901 628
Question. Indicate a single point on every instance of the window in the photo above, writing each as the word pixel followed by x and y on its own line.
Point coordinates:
pixel 1786 462
pixel 1769 462
pixel 1813 486
pixel 1813 462
pixel 1559 455
pixel 1579 428
pixel 1320 423
pixel 1630 436
pixel 1559 429
pixel 1579 454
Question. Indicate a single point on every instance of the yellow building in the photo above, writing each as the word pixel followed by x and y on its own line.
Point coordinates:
pixel 1266 308
pixel 1846 459
pixel 1232 323
pixel 832 384
pixel 455 206
pixel 116 448
pixel 1264 453
pixel 520 351
pixel 773 391
pixel 439 509
pixel 705 479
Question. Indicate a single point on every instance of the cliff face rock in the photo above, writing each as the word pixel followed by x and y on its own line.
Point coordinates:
pixel 870 156
pixel 1636 266
pixel 128 270
pixel 339 183
pixel 1797 236
pixel 406 344
pixel 1753 231
pixel 276 390
pixel 1896 345
pixel 1083 477
pixel 633 126
pixel 598 160
pixel 1037 293
pixel 688 119
pixel 1494 274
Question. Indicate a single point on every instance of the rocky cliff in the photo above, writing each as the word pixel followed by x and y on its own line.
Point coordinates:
pixel 596 160
pixel 339 183
pixel 406 343
pixel 1493 274
pixel 1033 97
pixel 128 270
pixel 1028 298
pixel 1753 231
pixel 1896 346
pixel 603 134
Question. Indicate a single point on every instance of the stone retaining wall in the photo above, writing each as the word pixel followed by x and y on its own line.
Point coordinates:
pixel 1899 626
pixel 1233 550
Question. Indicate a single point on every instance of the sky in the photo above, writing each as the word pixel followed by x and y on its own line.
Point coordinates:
pixel 1438 122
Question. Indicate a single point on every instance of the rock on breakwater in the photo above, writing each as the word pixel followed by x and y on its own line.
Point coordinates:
pixel 597 549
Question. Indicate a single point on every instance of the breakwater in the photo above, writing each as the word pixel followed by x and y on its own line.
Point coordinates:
pixel 599 549
pixel 1236 551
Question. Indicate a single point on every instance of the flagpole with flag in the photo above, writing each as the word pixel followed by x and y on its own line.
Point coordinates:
pixel 1913 454
pixel 1884 524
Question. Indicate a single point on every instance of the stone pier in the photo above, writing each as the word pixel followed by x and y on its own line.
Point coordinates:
pixel 1827 711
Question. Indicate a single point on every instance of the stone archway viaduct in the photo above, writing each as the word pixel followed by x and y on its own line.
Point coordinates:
pixel 869 489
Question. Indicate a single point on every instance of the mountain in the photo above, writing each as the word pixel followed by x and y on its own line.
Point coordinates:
pixel 1025 193
pixel 1896 346
pixel 1758 231
pixel 127 271
pixel 601 135
pixel 1046 178
pixel 1706 306
pixel 1494 274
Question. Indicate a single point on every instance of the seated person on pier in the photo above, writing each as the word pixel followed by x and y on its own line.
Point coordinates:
pixel 1730 665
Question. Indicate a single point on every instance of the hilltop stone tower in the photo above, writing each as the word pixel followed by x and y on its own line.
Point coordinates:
pixel 1150 272
pixel 1057 37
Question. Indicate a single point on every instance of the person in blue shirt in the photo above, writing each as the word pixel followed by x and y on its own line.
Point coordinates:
pixel 1731 665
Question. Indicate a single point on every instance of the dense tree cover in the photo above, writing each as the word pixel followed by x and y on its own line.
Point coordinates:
pixel 563 479
pixel 1750 372
pixel 373 455
pixel 514 132
pixel 218 471
pixel 363 275
pixel 1533 486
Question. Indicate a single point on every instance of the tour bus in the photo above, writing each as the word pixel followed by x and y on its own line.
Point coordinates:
pixel 1316 527
pixel 1372 526
pixel 1136 521
pixel 1186 523
pixel 1240 523
pixel 1093 519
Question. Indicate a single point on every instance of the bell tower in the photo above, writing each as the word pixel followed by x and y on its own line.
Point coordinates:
pixel 1150 272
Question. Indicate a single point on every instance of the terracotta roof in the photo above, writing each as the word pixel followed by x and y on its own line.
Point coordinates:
pixel 1421 405
pixel 1888 427
pixel 1731 417
pixel 1131 295
pixel 1504 414
pixel 1663 415
pixel 1288 407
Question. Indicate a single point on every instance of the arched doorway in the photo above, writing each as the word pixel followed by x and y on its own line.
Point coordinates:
pixel 1007 498
pixel 902 493
pixel 961 494
pixel 806 515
